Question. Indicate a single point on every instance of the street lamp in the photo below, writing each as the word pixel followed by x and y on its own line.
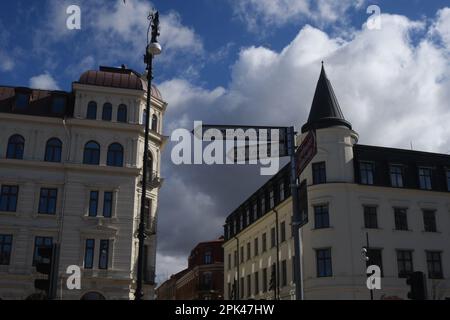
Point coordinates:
pixel 153 49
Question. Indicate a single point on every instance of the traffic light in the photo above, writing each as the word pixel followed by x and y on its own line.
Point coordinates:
pixel 417 282
pixel 47 265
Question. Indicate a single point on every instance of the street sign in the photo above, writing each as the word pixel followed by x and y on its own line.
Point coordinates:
pixel 306 152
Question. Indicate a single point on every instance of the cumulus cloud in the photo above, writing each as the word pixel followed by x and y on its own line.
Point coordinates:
pixel 393 85
pixel 44 81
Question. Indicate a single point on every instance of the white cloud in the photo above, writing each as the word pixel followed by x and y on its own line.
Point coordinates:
pixel 44 81
pixel 6 63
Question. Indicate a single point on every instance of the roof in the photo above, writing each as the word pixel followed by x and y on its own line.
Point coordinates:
pixel 325 110
pixel 122 78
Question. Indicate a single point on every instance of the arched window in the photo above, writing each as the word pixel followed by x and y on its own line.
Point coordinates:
pixel 53 150
pixel 91 153
pixel 16 146
pixel 122 113
pixel 115 155
pixel 155 123
pixel 144 117
pixel 107 112
pixel 92 110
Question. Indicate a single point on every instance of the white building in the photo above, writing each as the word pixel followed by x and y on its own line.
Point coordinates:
pixel 400 198
pixel 70 173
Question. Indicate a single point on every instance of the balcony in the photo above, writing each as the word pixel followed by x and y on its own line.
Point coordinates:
pixel 154 181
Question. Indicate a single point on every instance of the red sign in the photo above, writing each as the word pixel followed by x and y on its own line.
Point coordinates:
pixel 306 152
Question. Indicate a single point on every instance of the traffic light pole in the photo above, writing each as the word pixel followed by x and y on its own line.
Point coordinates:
pixel 298 276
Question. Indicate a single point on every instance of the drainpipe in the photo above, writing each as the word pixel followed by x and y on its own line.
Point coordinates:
pixel 237 290
pixel 277 289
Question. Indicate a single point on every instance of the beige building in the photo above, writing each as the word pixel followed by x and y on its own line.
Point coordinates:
pixel 70 173
pixel 399 198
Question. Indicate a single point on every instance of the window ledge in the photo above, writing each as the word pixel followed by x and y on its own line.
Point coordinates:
pixel 431 232
pixel 401 230
pixel 45 216
pixel 318 229
pixel 101 219
pixel 375 229
pixel 9 213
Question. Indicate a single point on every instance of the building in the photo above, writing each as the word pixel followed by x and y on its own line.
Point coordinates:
pixel 202 280
pixel 400 199
pixel 70 173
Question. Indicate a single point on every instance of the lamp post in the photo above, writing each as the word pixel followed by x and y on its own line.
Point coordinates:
pixel 153 49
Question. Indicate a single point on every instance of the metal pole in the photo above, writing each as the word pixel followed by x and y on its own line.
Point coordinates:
pixel 296 216
pixel 141 233
pixel 368 248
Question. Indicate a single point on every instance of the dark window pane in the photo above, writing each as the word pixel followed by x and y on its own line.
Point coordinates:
pixel 429 220
pixel 366 172
pixel 59 104
pixel 91 153
pixel 370 217
pixel 323 260
pixel 122 113
pixel 154 123
pixel 93 203
pixel 41 242
pixel 107 204
pixel 47 201
pixel 283 231
pixel 92 111
pixel 115 155
pixel 405 263
pixel 53 150
pixel 434 263
pixel 321 217
pixel 5 249
pixel 16 146
pixel 272 238
pixel 283 273
pixel 425 178
pixel 208 257
pixel 401 221
pixel 375 259
pixel 319 173
pixel 107 112
pixel 264 242
pixel 104 254
pixel 396 176
pixel 22 100
pixel 8 198
pixel 89 254
pixel 256 280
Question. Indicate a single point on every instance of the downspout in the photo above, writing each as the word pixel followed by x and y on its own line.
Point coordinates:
pixel 277 289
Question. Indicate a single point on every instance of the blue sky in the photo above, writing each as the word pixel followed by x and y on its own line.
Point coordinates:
pixel 252 62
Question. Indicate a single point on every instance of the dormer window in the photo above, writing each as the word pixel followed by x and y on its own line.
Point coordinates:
pixel 59 104
pixel 22 100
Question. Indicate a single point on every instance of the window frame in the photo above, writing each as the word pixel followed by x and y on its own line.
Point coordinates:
pixel 107 111
pixel 103 260
pixel 425 181
pixel 115 155
pixel 16 147
pixel 5 254
pixel 91 155
pixel 427 220
pixel 47 243
pixel 48 201
pixel 324 216
pixel 91 111
pixel 53 150
pixel 95 199
pixel 396 177
pixel 403 262
pixel 122 113
pixel 399 214
pixel 89 251
pixel 106 201
pixel 323 269
pixel 11 198
pixel 319 172
pixel 370 217
pixel 366 176
pixel 433 263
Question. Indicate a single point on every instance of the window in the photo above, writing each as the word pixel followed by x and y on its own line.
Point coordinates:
pixel 242 254
pixel 249 285
pixel 241 221
pixel 115 155
pixel 256 283
pixel 8 199
pixel 425 178
pixel 104 254
pixel 92 110
pixel 370 217
pixel 229 261
pixel 396 173
pixel 272 238
pixel 122 113
pixel 401 220
pixel 107 204
pixel 271 199
pixel 405 263
pixel 448 180
pixel 434 264
pixel 59 104
pixel 249 251
pixel 264 242
pixel 93 203
pixel 283 273
pixel 321 217
pixel 319 173
pixel 208 257
pixel 22 100
pixel 247 216
pixel 89 254
pixel 107 112
pixel 235 258
pixel 323 260
pixel 242 287
pixel 16 146
pixel 366 172
pixel 47 201
pixel 282 191
pixel 91 153
pixel 207 280
pixel 264 279
pixel 154 123
pixel 147 213
pixel 5 249
pixel 40 242
pixel 283 231
pixel 144 117
pixel 255 211
pixel 256 249
pixel 375 259
pixel 429 220
pixel 53 150
pixel 263 204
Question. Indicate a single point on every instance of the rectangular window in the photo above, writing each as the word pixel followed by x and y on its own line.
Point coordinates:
pixel 272 199
pixel 249 251
pixel 256 249
pixel 283 231
pixel 434 263
pixel 429 220
pixel 401 220
pixel 107 204
pixel 93 203
pixel 235 258
pixel 273 238
pixel 283 273
pixel 256 280
pixel 8 198
pixel 319 173
pixel 104 255
pixel 89 254
pixel 321 217
pixel 41 242
pixel 242 285
pixel 59 104
pixel 425 178
pixel 405 263
pixel 47 201
pixel 264 279
pixel 229 261
pixel 264 242
pixel 242 254
pixel 207 259
pixel 249 285
pixel 375 259
pixel 148 213
pixel 282 191
pixel 396 173
pixel 370 217
pixel 255 211
pixel 5 249
pixel 323 260
pixel 263 205
pixel 22 100
pixel 366 170
pixel 247 216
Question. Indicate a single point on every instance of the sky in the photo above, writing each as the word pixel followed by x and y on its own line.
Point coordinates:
pixel 250 62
